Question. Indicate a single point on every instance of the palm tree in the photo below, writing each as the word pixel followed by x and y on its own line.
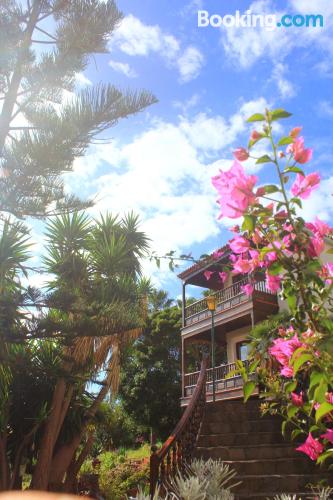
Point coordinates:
pixel 95 301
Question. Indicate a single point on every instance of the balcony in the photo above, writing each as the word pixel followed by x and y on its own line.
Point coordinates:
pixel 227 385
pixel 231 299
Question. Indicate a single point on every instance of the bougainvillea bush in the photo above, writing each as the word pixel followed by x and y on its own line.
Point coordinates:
pixel 274 239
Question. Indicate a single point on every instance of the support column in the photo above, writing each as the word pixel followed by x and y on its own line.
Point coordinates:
pixel 183 302
pixel 183 367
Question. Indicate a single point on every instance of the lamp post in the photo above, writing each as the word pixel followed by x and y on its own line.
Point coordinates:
pixel 211 304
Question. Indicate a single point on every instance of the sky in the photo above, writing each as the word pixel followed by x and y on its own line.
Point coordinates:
pixel 208 81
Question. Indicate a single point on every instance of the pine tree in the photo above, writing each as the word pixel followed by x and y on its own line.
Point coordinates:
pixel 41 133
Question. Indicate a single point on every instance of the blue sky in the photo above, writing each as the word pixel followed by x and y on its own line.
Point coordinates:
pixel 208 81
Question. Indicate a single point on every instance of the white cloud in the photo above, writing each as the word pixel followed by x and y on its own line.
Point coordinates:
pixel 286 88
pixel 320 202
pixel 82 80
pixel 135 38
pixel 245 46
pixel 123 68
pixel 190 64
pixel 164 175
pixel 325 108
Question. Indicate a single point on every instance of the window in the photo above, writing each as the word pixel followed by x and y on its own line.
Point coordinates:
pixel 242 350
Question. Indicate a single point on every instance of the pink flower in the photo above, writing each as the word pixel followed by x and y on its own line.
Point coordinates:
pixel 239 244
pixel 247 289
pixel 260 191
pixel 283 349
pixel 235 229
pixel 242 266
pixel 208 274
pixel 295 131
pixel 223 276
pixel 297 399
pixel 316 246
pixel 308 334
pixel 235 189
pixel 241 154
pixel 217 254
pixel 255 136
pixel 271 256
pixel 328 435
pixel 312 447
pixel 329 397
pixel 273 283
pixel 319 227
pixel 303 186
pixel 287 371
pixel 301 155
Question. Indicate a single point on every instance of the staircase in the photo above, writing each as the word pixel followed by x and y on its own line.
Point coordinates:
pixel 253 445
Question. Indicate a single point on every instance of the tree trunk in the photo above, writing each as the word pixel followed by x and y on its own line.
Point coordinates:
pixel 4 469
pixel 41 473
pixel 64 456
pixel 11 96
pixel 75 466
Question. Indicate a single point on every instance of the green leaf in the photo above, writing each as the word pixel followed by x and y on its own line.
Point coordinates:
pixel 292 301
pixel 297 201
pixel 276 114
pixel 249 223
pixel 304 358
pixel 330 251
pixel 248 389
pixel 264 159
pixel 257 117
pixel 296 170
pixel 275 269
pixel 292 411
pixel 324 456
pixel 271 188
pixel 320 392
pixel 315 379
pixel 323 410
pixel 290 387
pixel 283 428
pixel 285 141
pixel 295 433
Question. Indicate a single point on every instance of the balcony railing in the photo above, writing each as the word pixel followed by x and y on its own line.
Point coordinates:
pixel 224 379
pixel 225 299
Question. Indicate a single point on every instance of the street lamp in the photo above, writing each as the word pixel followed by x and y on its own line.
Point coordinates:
pixel 211 304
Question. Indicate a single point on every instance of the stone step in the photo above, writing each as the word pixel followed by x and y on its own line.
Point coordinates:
pixel 246 453
pixel 238 416
pixel 275 483
pixel 297 465
pixel 243 426
pixel 243 438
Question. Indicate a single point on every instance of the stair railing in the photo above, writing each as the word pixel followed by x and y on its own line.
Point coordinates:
pixel 178 448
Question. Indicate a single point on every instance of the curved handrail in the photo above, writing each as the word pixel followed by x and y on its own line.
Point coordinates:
pixel 178 448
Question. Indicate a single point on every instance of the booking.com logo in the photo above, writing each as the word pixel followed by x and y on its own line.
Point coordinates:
pixel 266 21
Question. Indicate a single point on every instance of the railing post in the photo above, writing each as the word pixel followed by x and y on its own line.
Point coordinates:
pixel 154 466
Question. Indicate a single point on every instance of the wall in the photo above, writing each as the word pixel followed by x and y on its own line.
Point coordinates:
pixel 233 338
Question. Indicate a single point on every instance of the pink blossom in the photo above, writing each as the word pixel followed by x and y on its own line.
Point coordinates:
pixel 328 435
pixel 235 229
pixel 287 371
pixel 208 274
pixel 235 189
pixel 223 276
pixel 319 227
pixel 271 256
pixel 256 237
pixel 273 283
pixel 242 266
pixel 283 349
pixel 301 154
pixel 260 191
pixel 295 131
pixel 282 331
pixel 329 397
pixel 304 185
pixel 247 289
pixel 239 244
pixel 312 447
pixel 241 154
pixel 297 399
pixel 308 334
pixel 316 246
pixel 217 254
pixel 255 136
